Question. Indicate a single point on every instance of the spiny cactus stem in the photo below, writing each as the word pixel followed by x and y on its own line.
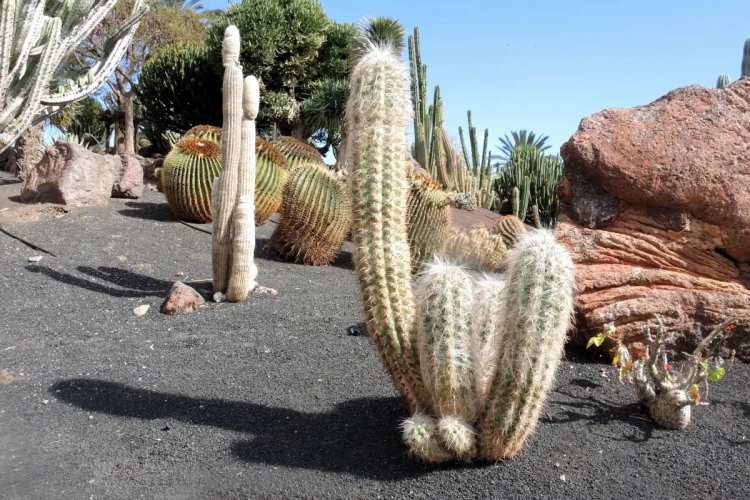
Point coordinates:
pixel 244 271
pixel 230 155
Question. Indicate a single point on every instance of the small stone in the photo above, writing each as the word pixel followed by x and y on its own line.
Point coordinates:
pixel 141 310
pixel 35 258
pixel 181 299
pixel 562 478
pixel 219 297
pixel 91 417
pixel 179 273
pixel 45 401
pixel 262 290
pixel 59 216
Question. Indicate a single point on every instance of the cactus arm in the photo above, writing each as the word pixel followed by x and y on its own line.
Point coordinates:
pixel 376 114
pixel 463 145
pixel 244 271
pixel 538 311
pixel 745 69
pixel 226 192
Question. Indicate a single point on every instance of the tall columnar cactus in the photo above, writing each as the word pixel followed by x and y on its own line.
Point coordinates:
pixel 37 38
pixel 297 152
pixel 271 178
pixel 442 347
pixel 480 167
pixel 224 195
pixel 232 196
pixel 723 81
pixel 429 218
pixel 745 70
pixel 315 216
pixel 244 271
pixel 187 175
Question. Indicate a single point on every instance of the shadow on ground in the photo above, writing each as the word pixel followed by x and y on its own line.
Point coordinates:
pixel 130 284
pixel 148 211
pixel 357 437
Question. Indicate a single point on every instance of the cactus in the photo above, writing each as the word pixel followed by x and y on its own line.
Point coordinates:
pixel 723 81
pixel 209 132
pixel 480 167
pixel 428 218
pixel 441 346
pixel 243 269
pixel 186 178
pixel 510 228
pixel 224 195
pixel 477 249
pixel 37 39
pixel 432 148
pixel 297 152
pixel 745 69
pixel 315 217
pixel 529 179
pixel 271 178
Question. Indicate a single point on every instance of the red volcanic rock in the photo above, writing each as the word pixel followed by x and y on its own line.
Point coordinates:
pixel 655 210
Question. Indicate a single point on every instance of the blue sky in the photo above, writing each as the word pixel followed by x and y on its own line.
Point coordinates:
pixel 544 65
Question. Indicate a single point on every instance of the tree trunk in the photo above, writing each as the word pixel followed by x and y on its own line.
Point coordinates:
pixel 29 150
pixel 128 108
pixel 119 147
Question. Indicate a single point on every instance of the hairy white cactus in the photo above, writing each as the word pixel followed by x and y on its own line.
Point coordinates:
pixel 36 39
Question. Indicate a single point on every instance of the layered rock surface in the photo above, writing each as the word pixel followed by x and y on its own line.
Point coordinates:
pixel 655 204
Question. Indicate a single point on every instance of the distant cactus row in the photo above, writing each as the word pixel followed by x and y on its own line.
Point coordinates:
pixel 441 340
pixel 526 187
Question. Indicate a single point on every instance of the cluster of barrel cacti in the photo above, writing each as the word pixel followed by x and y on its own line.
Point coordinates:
pixel 477 249
pixel 526 187
pixel 441 341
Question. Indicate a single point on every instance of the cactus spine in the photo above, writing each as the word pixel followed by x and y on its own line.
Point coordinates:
pixel 37 38
pixel 242 277
pixel 442 349
pixel 723 81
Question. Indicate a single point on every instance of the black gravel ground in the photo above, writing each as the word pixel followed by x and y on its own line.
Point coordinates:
pixel 275 397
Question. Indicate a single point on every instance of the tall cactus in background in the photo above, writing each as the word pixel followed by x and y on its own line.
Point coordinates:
pixel 429 218
pixel 745 69
pixel 37 37
pixel 432 147
pixel 526 187
pixel 479 167
pixel 441 347
pixel 723 81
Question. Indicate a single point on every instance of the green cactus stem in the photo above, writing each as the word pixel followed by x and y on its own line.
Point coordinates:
pixel 723 81
pixel 209 132
pixel 745 69
pixel 538 313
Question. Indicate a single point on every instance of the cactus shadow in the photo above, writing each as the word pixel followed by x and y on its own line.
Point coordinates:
pixel 127 284
pixel 358 436
pixel 597 412
pixel 148 211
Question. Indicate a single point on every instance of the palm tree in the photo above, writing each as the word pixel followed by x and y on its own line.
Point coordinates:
pixel 520 139
pixel 380 30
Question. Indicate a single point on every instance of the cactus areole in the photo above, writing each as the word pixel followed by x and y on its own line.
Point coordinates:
pixel 474 358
